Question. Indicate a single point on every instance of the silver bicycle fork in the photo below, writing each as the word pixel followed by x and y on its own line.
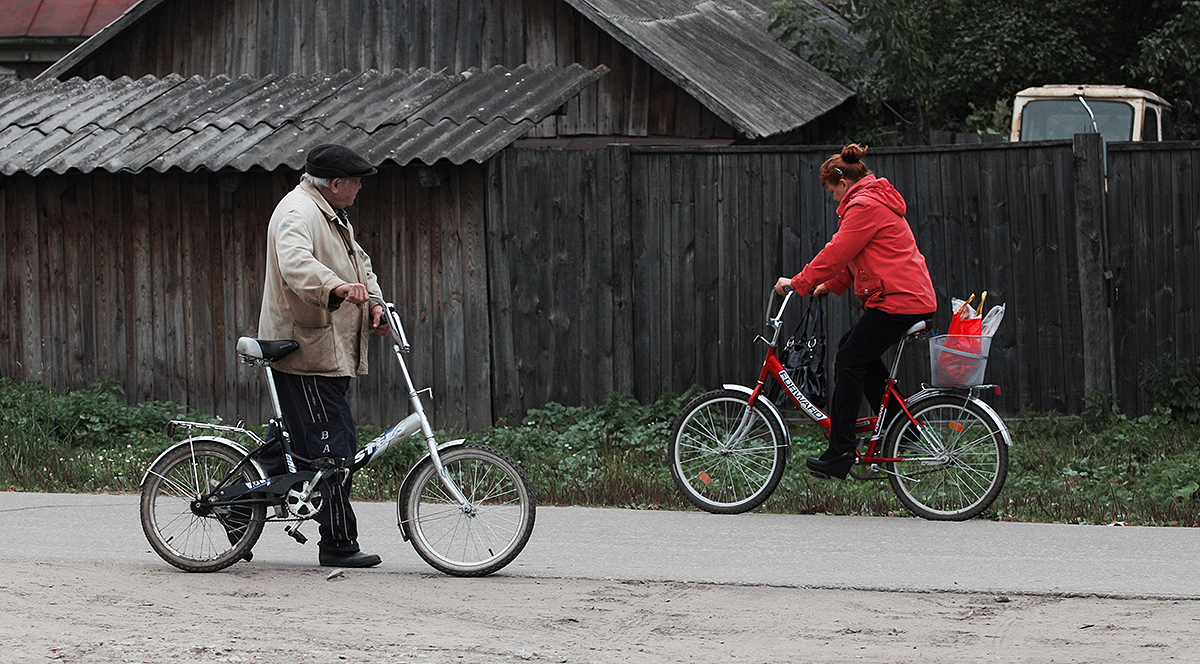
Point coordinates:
pixel 417 420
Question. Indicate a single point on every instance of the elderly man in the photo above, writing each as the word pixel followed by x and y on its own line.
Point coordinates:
pixel 318 280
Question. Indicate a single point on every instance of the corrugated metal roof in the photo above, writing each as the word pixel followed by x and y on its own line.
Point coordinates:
pixel 718 51
pixel 173 122
pixel 721 52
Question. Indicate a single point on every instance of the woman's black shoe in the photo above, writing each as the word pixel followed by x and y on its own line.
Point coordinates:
pixel 835 466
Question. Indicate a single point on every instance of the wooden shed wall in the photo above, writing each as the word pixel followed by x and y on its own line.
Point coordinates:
pixel 151 278
pixel 262 37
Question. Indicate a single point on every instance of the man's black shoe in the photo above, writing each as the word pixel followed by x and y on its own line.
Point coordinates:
pixel 356 559
pixel 835 466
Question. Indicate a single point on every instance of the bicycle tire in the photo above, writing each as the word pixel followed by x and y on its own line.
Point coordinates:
pixel 190 539
pixel 487 535
pixel 958 459
pixel 715 471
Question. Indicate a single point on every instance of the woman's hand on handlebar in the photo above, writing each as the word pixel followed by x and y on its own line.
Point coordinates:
pixel 784 285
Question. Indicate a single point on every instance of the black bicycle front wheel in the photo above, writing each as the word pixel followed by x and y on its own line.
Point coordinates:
pixel 181 530
pixel 955 458
pixel 726 456
pixel 486 533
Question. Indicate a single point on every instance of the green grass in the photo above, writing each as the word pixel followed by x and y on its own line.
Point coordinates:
pixel 81 441
pixel 1097 468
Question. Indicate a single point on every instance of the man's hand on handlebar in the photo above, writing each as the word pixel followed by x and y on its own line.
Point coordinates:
pixel 352 293
pixel 379 321
pixel 357 295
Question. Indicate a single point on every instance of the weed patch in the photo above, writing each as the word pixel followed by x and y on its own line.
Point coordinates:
pixel 1100 467
pixel 86 440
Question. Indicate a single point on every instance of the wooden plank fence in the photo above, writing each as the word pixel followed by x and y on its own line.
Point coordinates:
pixel 1153 223
pixel 713 227
pixel 565 275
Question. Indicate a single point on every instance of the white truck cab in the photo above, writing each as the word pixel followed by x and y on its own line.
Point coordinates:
pixel 1118 113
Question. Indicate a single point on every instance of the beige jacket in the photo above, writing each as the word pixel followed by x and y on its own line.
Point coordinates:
pixel 309 253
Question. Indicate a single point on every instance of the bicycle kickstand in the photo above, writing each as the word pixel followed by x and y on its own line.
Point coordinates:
pixel 875 468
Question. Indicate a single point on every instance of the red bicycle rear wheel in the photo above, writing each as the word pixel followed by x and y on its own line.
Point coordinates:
pixel 955 458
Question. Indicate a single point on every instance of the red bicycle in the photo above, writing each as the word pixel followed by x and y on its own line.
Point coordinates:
pixel 945 452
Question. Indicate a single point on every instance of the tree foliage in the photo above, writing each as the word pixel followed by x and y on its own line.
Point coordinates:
pixel 1168 62
pixel 956 64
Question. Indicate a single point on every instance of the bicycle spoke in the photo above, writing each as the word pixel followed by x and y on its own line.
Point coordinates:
pixel 975 479
pixel 181 490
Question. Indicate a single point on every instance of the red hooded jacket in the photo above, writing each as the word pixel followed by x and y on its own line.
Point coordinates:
pixel 874 249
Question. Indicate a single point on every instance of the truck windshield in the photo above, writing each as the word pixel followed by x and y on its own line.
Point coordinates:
pixel 1048 119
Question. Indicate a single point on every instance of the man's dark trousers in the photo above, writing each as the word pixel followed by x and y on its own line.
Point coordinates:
pixel 317 415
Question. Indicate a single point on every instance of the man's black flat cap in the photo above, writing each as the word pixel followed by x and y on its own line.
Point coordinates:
pixel 330 160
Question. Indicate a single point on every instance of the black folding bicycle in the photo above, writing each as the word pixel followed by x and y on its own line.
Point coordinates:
pixel 467 509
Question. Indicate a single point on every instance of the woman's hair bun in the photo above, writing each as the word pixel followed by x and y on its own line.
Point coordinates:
pixel 853 153
pixel 845 166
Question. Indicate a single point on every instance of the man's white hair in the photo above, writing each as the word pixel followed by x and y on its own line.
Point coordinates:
pixel 319 183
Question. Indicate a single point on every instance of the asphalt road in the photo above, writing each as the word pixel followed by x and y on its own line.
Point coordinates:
pixel 865 553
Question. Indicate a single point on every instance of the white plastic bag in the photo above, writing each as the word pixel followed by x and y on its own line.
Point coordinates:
pixel 991 320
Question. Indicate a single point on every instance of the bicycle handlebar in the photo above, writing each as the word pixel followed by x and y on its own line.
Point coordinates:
pixel 394 321
pixel 775 316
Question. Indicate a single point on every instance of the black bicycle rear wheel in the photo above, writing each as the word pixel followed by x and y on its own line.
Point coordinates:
pixel 181 530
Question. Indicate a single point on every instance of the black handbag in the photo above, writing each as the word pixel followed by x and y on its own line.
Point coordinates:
pixel 804 356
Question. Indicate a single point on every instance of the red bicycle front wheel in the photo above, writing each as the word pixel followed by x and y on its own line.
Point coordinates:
pixel 726 456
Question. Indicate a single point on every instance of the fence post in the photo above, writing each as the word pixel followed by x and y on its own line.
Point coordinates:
pixel 1091 247
pixel 621 193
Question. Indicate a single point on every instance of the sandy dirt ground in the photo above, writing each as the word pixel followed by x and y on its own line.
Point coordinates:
pixel 297 615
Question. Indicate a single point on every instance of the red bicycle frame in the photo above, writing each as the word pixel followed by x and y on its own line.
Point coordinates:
pixel 773 368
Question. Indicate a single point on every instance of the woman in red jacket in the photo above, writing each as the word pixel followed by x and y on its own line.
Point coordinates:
pixel 873 250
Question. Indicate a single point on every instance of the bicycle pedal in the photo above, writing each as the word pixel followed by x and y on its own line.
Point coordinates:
pixel 295 533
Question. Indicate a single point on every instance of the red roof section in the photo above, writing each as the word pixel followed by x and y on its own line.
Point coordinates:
pixel 59 18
